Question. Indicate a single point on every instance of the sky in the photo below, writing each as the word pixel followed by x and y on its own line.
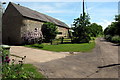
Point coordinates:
pixel 102 13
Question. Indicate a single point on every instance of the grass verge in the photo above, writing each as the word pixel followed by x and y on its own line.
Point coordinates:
pixel 83 47
pixel 33 69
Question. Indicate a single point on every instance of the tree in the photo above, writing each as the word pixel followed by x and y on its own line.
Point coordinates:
pixel 114 28
pixel 117 24
pixel 117 18
pixel 111 29
pixel 81 29
pixel 95 30
pixel 49 31
pixel 112 32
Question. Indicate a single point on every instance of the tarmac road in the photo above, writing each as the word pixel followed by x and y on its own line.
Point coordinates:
pixel 102 62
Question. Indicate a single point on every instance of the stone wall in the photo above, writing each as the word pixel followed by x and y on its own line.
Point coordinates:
pixel 30 25
pixel 12 21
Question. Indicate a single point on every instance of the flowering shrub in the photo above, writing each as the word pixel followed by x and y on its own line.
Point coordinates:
pixel 31 37
pixel 5 55
pixel 7 60
pixel 13 70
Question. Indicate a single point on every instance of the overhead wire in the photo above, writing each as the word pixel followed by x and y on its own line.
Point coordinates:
pixel 86 9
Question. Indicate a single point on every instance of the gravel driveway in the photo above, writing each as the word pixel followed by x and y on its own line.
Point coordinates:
pixel 102 62
pixel 35 55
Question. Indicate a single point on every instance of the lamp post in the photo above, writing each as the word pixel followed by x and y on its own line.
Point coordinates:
pixel 1 13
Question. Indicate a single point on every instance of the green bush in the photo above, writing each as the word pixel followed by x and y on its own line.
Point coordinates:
pixel 84 39
pixel 38 45
pixel 108 37
pixel 49 31
pixel 116 39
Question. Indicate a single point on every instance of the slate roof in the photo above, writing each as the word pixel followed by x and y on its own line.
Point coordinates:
pixel 29 13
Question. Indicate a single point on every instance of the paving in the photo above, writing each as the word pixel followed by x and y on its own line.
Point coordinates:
pixel 101 62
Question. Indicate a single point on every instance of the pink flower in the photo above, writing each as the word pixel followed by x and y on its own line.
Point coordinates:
pixel 7 60
pixel 6 57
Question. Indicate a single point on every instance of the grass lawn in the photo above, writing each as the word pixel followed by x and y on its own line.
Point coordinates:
pixel 31 68
pixel 83 47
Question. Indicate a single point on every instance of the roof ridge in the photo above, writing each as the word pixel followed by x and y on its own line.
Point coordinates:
pixel 27 12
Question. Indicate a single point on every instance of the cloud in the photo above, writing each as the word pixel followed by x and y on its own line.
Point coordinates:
pixel 105 23
pixel 93 7
pixel 54 11
pixel 53 7
pixel 59 5
pixel 45 8
pixel 62 0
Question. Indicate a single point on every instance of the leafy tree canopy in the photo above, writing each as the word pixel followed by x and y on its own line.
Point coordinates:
pixel 49 31
pixel 112 32
pixel 84 30
pixel 95 30
pixel 114 28
pixel 81 29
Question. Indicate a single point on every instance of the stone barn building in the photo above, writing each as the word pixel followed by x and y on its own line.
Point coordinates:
pixel 18 19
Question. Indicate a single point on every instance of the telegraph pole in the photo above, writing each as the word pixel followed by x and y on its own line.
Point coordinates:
pixel 83 10
pixel 83 14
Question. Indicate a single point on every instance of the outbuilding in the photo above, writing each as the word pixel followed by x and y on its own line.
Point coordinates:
pixel 18 19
